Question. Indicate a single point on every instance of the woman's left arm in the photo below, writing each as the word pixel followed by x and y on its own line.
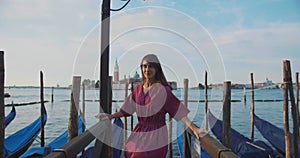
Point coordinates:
pixel 196 130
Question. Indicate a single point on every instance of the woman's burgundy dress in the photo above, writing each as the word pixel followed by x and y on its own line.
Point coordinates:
pixel 150 136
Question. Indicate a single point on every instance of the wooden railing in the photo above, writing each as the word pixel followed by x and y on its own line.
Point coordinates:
pixel 213 147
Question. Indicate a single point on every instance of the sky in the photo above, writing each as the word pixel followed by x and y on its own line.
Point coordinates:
pixel 228 39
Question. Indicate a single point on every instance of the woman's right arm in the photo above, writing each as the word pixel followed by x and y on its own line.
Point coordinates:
pixel 105 116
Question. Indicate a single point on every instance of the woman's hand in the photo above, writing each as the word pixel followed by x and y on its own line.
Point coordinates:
pixel 199 132
pixel 103 116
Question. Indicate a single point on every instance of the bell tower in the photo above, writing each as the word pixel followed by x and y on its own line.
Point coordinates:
pixel 116 72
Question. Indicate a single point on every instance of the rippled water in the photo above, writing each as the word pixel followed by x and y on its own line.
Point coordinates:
pixel 58 111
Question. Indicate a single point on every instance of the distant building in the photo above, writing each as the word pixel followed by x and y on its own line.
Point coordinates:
pixel 89 84
pixel 116 73
pixel 120 84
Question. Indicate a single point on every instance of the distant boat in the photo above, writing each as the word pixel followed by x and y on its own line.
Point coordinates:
pixel 55 144
pixel 17 143
pixel 268 84
pixel 6 95
pixel 274 135
pixel 241 145
pixel 11 116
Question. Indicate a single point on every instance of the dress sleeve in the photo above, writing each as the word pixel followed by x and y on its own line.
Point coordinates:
pixel 174 106
pixel 128 107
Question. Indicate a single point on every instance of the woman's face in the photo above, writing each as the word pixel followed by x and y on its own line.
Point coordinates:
pixel 148 70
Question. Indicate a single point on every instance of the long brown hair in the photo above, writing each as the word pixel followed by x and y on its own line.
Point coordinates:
pixel 159 75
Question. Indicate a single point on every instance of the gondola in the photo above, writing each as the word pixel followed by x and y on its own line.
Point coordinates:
pixel 241 145
pixel 55 144
pixel 11 116
pixel 17 143
pixel 274 135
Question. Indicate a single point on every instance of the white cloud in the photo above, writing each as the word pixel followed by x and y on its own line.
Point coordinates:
pixel 260 50
pixel 260 40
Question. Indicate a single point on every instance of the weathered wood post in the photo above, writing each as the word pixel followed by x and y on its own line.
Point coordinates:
pixel 252 107
pixel 297 92
pixel 125 118
pixel 52 95
pixel 226 113
pixel 170 137
pixel 286 113
pixel 245 96
pixel 102 149
pixel 2 104
pixel 109 128
pixel 83 108
pixel 170 124
pixel 131 117
pixel 295 113
pixel 186 139
pixel 46 150
pixel 82 113
pixel 206 100
pixel 74 107
pixel 42 109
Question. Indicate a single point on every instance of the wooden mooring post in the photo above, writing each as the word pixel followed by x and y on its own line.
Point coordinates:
pixel 131 117
pixel 2 104
pixel 52 95
pixel 170 137
pixel 297 92
pixel 226 113
pixel 245 95
pixel 74 107
pixel 186 137
pixel 102 149
pixel 287 78
pixel 83 108
pixel 286 117
pixel 125 118
pixel 42 109
pixel 109 127
pixel 205 100
pixel 252 107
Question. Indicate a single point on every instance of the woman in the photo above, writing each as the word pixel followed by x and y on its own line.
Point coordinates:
pixel 151 100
